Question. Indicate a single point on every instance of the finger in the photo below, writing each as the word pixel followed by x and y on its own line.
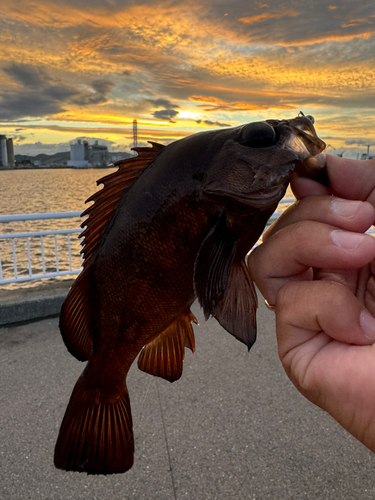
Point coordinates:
pixel 302 187
pixel 352 179
pixel 345 214
pixel 306 309
pixel 323 336
pixel 294 250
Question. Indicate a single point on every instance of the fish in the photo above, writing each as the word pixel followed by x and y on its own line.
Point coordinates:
pixel 172 224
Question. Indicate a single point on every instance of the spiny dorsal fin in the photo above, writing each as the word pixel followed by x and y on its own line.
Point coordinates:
pixel 107 198
pixel 75 317
pixel 164 356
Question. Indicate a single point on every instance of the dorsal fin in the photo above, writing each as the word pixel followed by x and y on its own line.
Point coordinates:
pixel 75 317
pixel 106 199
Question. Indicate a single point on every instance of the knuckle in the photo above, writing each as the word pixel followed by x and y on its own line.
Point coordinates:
pixel 288 296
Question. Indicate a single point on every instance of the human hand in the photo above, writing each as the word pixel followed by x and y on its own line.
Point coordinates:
pixel 317 267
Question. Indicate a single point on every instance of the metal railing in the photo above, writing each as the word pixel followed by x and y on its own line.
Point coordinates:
pixel 53 262
pixel 50 263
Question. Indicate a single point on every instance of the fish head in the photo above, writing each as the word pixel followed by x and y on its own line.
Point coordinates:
pixel 254 162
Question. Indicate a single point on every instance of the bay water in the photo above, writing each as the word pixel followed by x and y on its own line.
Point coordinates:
pixel 41 191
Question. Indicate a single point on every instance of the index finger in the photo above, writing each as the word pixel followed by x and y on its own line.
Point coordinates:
pixel 352 179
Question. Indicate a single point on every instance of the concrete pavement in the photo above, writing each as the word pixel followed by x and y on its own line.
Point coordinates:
pixel 26 304
pixel 233 427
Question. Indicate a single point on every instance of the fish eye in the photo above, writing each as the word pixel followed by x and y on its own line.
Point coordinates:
pixel 258 135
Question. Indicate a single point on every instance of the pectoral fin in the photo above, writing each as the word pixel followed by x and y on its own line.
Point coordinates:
pixel 223 284
pixel 212 267
pixel 164 356
pixel 237 310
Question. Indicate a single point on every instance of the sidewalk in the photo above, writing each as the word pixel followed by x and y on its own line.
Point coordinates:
pixel 233 427
pixel 26 304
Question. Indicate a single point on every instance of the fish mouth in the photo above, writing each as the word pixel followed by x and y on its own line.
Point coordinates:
pixel 264 198
pixel 310 149
pixel 314 167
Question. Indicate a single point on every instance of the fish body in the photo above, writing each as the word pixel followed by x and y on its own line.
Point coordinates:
pixel 172 224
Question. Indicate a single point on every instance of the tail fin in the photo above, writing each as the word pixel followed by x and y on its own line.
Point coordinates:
pixel 96 434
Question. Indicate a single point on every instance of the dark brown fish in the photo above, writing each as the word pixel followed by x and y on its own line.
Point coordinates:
pixel 172 224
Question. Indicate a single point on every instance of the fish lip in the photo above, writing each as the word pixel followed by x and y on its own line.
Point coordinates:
pixel 264 198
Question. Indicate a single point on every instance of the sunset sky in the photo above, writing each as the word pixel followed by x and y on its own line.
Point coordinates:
pixel 80 68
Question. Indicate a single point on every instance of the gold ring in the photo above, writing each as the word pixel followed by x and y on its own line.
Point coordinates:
pixel 268 305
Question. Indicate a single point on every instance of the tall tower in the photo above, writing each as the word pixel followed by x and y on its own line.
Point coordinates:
pixel 135 135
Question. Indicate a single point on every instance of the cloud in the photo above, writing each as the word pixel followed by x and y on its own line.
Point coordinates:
pixel 102 86
pixel 27 104
pixel 162 103
pixel 109 61
pixel 37 94
pixel 268 15
pixel 211 123
pixel 26 75
pixel 166 114
pixel 360 142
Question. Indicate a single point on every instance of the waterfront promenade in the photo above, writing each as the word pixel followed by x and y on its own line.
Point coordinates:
pixel 233 427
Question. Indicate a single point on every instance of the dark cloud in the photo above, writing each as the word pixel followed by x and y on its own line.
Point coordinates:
pixel 162 103
pixel 166 114
pixel 360 142
pixel 102 86
pixel 39 95
pixel 26 75
pixel 13 107
pixel 294 21
pixel 19 138
pixel 211 123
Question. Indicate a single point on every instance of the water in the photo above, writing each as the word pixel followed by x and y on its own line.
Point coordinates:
pixel 39 191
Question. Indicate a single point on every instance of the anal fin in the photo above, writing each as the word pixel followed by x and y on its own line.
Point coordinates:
pixel 164 355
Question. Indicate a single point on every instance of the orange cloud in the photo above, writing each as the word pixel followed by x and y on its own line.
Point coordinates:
pixel 268 15
pixel 356 22
pixel 332 7
pixel 255 103
pixel 332 37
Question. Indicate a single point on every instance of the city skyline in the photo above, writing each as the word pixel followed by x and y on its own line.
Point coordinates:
pixel 87 69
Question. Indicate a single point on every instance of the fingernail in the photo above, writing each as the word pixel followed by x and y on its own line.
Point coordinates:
pixel 367 323
pixel 347 240
pixel 345 208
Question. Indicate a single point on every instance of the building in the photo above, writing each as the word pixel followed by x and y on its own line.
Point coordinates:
pixel 3 152
pixel 83 155
pixel 6 153
pixel 10 153
pixel 79 154
pixel 7 160
pixel 98 155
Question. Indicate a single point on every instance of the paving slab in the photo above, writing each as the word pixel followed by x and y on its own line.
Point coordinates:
pixel 233 427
